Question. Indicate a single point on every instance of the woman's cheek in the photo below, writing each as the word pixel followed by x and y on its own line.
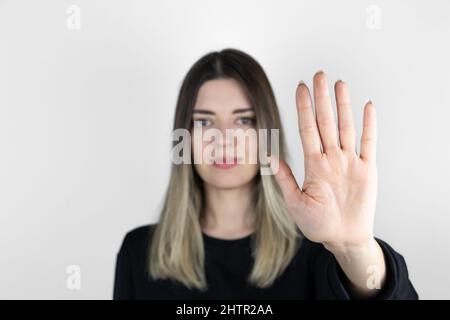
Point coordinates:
pixel 196 147
pixel 251 153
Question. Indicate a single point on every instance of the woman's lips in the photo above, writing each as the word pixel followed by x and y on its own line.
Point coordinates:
pixel 226 163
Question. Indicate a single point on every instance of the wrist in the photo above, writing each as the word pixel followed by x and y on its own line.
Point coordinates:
pixel 349 251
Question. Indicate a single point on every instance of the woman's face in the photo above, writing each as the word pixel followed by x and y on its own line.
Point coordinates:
pixel 222 105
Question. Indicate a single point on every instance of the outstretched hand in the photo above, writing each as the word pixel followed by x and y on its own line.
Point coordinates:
pixel 336 204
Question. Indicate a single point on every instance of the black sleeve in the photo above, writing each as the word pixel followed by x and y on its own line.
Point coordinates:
pixel 123 283
pixel 331 282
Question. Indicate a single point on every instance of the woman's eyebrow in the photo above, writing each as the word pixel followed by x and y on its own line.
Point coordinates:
pixel 203 111
pixel 242 110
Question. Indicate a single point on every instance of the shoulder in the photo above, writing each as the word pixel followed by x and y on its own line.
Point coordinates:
pixel 140 232
pixel 137 238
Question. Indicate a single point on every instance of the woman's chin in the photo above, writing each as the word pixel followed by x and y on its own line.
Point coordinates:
pixel 228 181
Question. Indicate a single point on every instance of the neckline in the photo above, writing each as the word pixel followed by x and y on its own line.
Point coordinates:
pixel 240 240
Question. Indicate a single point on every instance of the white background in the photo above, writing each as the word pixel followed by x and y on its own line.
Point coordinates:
pixel 86 116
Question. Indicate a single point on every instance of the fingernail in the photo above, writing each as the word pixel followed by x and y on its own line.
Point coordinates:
pixel 300 83
pixel 320 71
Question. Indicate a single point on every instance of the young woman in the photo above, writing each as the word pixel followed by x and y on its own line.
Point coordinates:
pixel 226 231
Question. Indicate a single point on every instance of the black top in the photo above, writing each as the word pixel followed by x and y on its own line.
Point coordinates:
pixel 313 273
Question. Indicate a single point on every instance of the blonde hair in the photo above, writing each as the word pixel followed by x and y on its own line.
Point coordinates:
pixel 176 249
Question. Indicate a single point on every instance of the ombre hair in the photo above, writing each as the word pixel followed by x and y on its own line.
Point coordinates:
pixel 176 248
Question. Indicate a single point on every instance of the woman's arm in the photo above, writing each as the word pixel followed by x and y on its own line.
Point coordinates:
pixel 364 266
pixel 330 281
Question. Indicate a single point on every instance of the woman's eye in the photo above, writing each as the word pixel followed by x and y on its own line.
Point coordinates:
pixel 246 121
pixel 201 122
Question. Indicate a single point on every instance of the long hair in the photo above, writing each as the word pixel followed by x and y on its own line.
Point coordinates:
pixel 177 250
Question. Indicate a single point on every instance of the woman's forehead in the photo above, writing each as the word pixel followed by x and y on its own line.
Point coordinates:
pixel 221 95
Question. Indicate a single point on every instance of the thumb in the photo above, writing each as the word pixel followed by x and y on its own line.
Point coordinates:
pixel 285 178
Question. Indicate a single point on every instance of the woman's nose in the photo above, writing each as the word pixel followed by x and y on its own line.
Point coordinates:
pixel 228 137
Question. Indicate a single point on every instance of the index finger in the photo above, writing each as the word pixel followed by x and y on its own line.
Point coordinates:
pixel 307 125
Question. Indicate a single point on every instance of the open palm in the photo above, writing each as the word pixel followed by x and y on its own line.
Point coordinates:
pixel 336 204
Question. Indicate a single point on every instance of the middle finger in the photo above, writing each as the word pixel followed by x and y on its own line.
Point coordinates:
pixel 324 112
